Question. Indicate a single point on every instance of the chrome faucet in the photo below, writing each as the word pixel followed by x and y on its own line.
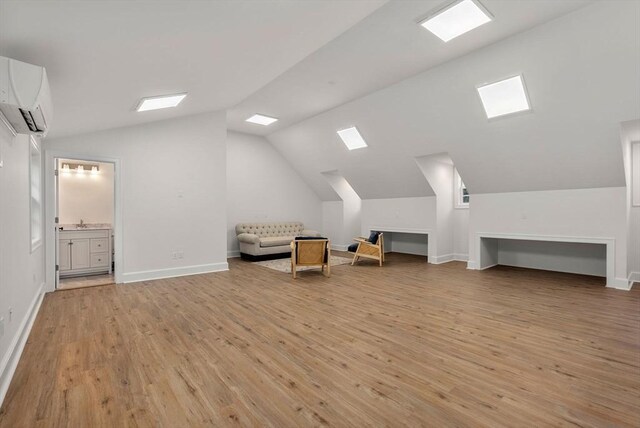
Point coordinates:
pixel 81 225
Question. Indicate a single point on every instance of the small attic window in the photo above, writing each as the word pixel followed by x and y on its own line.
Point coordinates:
pixel 461 193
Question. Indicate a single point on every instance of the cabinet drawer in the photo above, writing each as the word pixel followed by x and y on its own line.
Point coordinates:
pixel 99 245
pixel 99 260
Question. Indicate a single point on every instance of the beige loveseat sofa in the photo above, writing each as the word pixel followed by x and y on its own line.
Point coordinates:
pixel 263 241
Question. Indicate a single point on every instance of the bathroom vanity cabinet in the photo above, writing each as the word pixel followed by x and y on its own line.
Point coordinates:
pixel 84 252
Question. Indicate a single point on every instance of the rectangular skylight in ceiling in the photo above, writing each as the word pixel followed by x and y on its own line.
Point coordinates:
pixel 164 101
pixel 504 97
pixel 352 138
pixel 261 119
pixel 456 19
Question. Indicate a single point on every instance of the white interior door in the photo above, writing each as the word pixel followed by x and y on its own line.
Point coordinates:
pixel 58 248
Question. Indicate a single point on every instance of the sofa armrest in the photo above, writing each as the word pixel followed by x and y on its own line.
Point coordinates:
pixel 309 232
pixel 249 238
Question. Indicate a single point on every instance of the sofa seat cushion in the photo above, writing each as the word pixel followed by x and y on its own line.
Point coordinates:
pixel 276 241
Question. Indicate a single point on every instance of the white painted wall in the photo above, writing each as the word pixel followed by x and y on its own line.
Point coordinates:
pixel 630 138
pixel 572 257
pixel 409 213
pixel 86 196
pixel 438 171
pixel 586 213
pixel 332 223
pixel 174 193
pixel 21 270
pixel 263 187
pixel 400 213
pixel 461 233
pixel 634 216
pixel 351 209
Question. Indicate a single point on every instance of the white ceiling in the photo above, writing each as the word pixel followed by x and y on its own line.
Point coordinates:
pixel 323 65
pixel 103 56
pixel 384 48
pixel 582 72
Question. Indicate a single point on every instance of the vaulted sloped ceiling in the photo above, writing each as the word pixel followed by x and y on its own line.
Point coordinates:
pixel 382 49
pixel 102 56
pixel 581 71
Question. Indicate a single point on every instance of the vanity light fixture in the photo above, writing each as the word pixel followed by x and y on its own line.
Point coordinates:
pixel 352 138
pixel 261 119
pixel 162 101
pixel 456 19
pixel 80 168
pixel 504 97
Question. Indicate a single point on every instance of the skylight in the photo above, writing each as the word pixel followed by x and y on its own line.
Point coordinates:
pixel 352 138
pixel 456 19
pixel 164 101
pixel 261 119
pixel 504 97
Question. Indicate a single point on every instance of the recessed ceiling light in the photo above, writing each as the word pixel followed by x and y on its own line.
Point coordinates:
pixel 261 119
pixel 504 97
pixel 163 101
pixel 352 138
pixel 456 19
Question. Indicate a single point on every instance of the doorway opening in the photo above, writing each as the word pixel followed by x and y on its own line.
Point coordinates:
pixel 84 223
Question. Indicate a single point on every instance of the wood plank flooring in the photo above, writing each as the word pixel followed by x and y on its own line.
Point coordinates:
pixel 85 281
pixel 408 344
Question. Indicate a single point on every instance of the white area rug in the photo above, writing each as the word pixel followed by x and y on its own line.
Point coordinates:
pixel 284 265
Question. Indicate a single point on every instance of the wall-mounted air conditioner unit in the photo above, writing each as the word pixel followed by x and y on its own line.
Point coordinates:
pixel 25 99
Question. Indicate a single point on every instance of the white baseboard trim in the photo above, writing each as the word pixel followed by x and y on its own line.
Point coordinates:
pixel 339 247
pixel 233 253
pixel 437 260
pixel 461 257
pixel 12 357
pixel 454 257
pixel 149 275
pixel 634 277
pixel 471 265
pixel 620 284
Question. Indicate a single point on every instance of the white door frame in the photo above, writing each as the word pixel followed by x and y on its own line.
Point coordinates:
pixel 50 212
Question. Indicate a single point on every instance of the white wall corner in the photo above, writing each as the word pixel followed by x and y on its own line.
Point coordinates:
pixel 620 284
pixel 634 277
pixel 10 360
pixel 233 253
pixel 173 272
pixel 436 260
pixel 461 257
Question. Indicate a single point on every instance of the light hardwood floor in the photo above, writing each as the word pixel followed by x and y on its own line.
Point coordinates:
pixel 85 281
pixel 406 344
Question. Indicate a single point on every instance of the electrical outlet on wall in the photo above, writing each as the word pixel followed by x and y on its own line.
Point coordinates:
pixel 174 255
pixel 180 254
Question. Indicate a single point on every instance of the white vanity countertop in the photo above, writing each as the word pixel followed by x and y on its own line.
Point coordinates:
pixel 94 226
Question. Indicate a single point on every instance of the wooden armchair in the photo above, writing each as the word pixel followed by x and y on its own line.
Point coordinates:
pixel 368 250
pixel 311 252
